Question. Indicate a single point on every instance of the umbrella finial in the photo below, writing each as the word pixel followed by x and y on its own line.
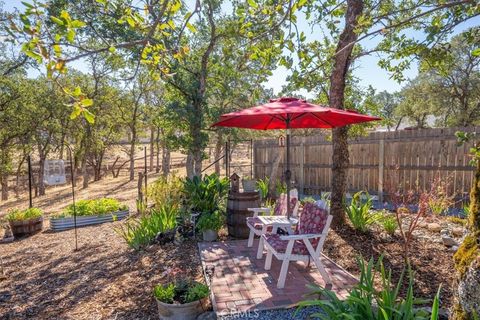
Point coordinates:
pixel 287 99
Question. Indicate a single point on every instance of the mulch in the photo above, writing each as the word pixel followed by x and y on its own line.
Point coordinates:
pixel 47 279
pixel 431 262
pixel 104 279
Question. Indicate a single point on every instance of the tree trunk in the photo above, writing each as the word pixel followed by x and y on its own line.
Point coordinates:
pixel 189 165
pixel 474 209
pixel 196 148
pixel 165 161
pixel 132 155
pixel 467 260
pixel 152 148
pixel 272 184
pixel 4 186
pixel 18 173
pixel 41 170
pixel 218 152
pixel 98 168
pixel 157 145
pixel 341 65
pixel 85 174
pixel 198 158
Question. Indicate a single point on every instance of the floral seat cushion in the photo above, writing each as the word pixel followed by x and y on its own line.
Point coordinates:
pixel 312 221
pixel 280 245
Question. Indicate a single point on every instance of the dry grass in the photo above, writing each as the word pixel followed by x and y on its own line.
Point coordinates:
pixel 47 279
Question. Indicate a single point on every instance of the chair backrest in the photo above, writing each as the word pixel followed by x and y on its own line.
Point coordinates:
pixel 280 208
pixel 312 220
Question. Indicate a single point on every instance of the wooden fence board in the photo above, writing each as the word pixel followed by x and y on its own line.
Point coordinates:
pixel 411 158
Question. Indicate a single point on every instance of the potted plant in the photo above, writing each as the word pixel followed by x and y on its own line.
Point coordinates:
pixel 181 300
pixel 249 184
pixel 209 224
pixel 25 221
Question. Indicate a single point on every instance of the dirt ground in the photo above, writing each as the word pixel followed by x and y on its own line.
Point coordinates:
pixel 104 279
pixel 432 263
pixel 46 279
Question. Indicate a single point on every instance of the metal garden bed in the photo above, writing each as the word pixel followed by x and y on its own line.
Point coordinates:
pixel 60 224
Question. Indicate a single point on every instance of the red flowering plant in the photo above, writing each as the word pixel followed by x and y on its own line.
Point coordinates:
pixel 413 205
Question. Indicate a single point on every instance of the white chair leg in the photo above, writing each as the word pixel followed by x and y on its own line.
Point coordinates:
pixel 316 259
pixel 268 260
pixel 260 243
pixel 260 248
pixel 283 273
pixel 322 270
pixel 250 239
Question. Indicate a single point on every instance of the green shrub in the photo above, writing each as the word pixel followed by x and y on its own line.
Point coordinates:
pixel 367 302
pixel 93 207
pixel 389 223
pixel 262 186
pixel 181 292
pixel 205 195
pixel 457 220
pixel 141 232
pixel 196 292
pixel 211 221
pixel 466 210
pixel 307 200
pixel 166 189
pixel 359 212
pixel 280 187
pixel 165 293
pixel 22 215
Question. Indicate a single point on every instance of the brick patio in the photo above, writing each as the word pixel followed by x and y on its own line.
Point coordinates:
pixel 240 282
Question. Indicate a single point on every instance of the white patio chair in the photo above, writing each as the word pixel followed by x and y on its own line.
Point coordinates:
pixel 256 226
pixel 305 244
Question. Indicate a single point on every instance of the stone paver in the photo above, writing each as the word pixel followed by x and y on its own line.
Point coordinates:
pixel 240 282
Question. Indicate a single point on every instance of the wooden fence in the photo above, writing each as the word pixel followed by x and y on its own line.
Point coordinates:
pixel 410 158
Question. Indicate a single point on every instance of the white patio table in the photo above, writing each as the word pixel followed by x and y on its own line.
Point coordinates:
pixel 275 222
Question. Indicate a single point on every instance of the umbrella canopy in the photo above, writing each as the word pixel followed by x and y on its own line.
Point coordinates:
pixel 285 113
pixel 291 113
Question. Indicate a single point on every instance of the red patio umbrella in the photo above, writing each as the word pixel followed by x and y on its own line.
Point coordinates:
pixel 291 113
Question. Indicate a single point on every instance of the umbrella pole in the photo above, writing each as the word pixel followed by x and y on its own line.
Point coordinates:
pixel 288 173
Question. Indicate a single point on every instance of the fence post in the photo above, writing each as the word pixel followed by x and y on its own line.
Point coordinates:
pixel 139 187
pixel 301 169
pixel 381 164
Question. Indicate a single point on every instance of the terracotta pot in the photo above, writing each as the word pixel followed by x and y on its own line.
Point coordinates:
pixel 22 227
pixel 186 311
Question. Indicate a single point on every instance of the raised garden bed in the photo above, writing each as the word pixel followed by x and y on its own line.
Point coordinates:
pixel 89 212
pixel 24 222
pixel 59 224
pixel 29 226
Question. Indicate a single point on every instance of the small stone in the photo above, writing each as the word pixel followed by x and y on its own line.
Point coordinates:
pixel 457 232
pixel 422 224
pixel 454 249
pixel 448 241
pixel 434 227
pixel 444 232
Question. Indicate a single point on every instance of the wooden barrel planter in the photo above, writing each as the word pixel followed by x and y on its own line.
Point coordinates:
pixel 23 227
pixel 237 213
